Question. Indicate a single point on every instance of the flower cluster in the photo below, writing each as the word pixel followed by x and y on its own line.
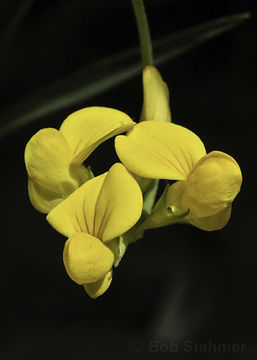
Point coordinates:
pixel 101 215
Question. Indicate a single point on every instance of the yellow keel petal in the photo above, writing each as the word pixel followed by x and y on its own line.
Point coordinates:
pixel 99 287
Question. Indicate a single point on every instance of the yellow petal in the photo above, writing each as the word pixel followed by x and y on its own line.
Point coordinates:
pixel 42 199
pixel 212 185
pixel 99 287
pixel 156 96
pixel 213 222
pixel 86 258
pixel 119 205
pixel 106 206
pixel 160 150
pixel 77 212
pixel 47 159
pixel 87 128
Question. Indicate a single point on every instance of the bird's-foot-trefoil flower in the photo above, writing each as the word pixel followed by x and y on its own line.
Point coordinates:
pixel 92 218
pixel 155 107
pixel 207 183
pixel 54 158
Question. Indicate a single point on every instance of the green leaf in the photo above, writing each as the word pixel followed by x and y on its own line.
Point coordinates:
pixel 90 81
pixel 189 39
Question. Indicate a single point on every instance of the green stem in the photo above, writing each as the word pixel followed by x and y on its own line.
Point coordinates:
pixel 144 32
pixel 159 216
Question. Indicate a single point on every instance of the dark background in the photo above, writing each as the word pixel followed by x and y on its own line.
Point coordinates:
pixel 178 283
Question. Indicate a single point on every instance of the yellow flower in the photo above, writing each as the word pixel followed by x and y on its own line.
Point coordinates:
pixel 54 158
pixel 207 183
pixel 102 209
pixel 156 96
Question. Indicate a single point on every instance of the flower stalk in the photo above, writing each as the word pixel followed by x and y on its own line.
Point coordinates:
pixel 144 32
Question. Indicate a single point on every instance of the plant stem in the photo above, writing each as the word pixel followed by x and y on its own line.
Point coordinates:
pixel 144 32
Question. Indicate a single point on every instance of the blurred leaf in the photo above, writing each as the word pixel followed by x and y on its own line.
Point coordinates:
pixel 108 73
pixel 15 22
pixel 189 39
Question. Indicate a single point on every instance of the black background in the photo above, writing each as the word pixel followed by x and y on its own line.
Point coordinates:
pixel 178 283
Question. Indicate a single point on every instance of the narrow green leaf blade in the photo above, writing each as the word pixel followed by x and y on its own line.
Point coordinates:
pixel 88 82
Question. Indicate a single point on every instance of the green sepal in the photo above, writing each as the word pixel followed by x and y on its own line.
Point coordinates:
pixel 90 172
pixel 149 189
pixel 118 246
pixel 161 214
pixel 150 195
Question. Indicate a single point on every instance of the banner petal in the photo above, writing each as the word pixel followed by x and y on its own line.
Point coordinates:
pixel 119 205
pixel 87 128
pixel 160 150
